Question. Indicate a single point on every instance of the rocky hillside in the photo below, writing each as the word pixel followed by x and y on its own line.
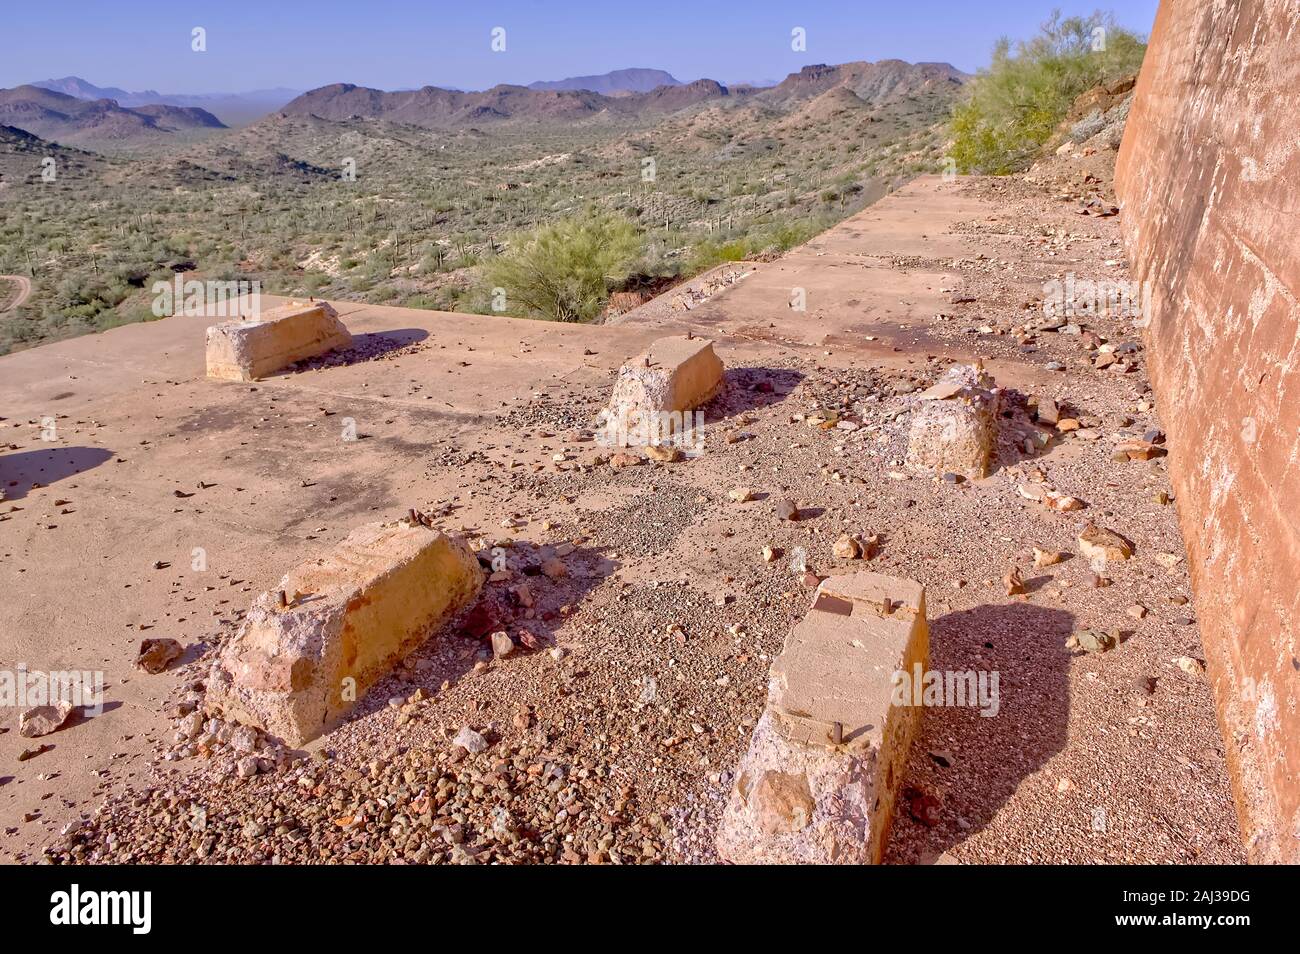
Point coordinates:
pixel 22 155
pixel 99 124
pixel 432 107
pixel 1080 155
pixel 875 83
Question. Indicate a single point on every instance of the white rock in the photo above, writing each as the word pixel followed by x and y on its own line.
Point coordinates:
pixel 470 741
pixel 502 644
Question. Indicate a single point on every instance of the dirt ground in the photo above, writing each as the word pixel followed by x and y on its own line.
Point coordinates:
pixel 613 740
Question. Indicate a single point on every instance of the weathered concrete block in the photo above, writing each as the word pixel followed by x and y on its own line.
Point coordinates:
pixel 819 781
pixel 673 376
pixel 296 670
pixel 248 350
pixel 954 429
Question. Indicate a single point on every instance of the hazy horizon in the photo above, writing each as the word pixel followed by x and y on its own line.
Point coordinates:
pixel 392 45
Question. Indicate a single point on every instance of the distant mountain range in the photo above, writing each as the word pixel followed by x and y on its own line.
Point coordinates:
pixel 74 112
pixel 233 109
pixel 612 83
pixel 869 84
pixel 434 107
pixel 101 122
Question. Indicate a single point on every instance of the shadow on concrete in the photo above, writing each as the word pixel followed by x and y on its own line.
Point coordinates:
pixel 987 756
pixel 365 347
pixel 1015 415
pixel 21 471
pixel 503 606
pixel 747 389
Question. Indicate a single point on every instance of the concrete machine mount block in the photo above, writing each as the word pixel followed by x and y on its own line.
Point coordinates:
pixel 308 652
pixel 819 781
pixel 249 350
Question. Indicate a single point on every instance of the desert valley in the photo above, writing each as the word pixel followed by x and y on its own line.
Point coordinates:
pixel 884 464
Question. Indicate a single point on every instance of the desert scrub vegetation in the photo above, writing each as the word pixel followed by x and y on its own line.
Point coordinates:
pixel 431 211
pixel 567 270
pixel 768 240
pixel 564 271
pixel 1014 105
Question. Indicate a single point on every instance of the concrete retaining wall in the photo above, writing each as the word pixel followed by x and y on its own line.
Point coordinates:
pixel 1209 180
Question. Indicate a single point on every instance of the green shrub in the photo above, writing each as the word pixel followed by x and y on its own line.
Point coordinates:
pixel 421 301
pixel 1014 106
pixel 314 281
pixel 774 238
pixel 709 254
pixel 564 271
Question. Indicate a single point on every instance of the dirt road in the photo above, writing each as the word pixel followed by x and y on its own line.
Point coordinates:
pixel 24 291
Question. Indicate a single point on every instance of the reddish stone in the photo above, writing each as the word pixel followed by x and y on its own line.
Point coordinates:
pixel 1209 174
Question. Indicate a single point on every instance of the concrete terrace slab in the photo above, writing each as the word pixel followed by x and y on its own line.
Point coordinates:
pixel 138 424
pixel 859 303
pixel 153 462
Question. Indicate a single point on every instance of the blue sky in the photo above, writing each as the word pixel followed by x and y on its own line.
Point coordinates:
pixel 145 44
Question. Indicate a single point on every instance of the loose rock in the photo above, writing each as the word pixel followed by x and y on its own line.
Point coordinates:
pixel 42 720
pixel 470 741
pixel 156 655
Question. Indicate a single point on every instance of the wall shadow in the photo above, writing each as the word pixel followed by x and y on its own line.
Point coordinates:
pixel 20 471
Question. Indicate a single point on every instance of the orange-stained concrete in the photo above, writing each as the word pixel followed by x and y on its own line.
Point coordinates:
pixel 154 465
pixel 137 421
pixel 1209 181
